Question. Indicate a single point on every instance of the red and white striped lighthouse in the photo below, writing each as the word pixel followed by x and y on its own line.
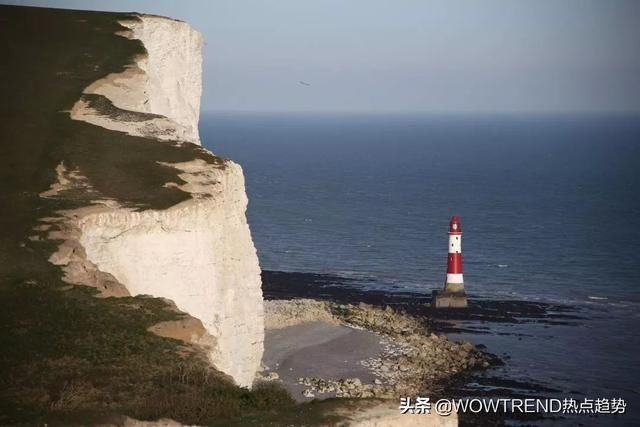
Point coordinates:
pixel 455 282
pixel 452 296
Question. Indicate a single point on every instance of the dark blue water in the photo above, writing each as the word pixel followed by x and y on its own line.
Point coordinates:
pixel 549 208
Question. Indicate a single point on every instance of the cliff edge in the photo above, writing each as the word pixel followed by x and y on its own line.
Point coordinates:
pixel 197 253
pixel 137 206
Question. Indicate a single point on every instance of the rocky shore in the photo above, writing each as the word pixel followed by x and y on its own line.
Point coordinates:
pixel 413 360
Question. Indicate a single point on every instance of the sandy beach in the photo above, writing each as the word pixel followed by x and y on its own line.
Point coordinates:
pixel 319 349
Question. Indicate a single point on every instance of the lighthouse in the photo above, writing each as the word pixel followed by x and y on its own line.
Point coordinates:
pixel 452 296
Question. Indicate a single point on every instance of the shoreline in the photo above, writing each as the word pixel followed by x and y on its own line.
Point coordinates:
pixel 387 355
pixel 334 288
pixel 394 354
pixel 478 320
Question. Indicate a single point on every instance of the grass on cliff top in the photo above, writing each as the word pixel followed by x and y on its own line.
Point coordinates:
pixel 66 356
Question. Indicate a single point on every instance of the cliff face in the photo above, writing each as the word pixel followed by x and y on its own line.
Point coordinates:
pixel 198 252
pixel 158 96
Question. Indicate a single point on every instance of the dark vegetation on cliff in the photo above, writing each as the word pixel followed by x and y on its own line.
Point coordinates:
pixel 65 355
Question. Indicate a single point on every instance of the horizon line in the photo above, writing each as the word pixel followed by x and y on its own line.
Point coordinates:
pixel 427 113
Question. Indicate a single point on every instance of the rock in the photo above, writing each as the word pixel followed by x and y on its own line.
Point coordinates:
pixel 308 393
pixel 377 381
pixel 283 313
pixel 271 376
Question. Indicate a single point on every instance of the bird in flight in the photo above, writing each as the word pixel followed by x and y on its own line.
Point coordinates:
pixel 304 83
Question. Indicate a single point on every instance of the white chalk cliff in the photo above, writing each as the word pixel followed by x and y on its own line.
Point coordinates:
pixel 166 83
pixel 198 253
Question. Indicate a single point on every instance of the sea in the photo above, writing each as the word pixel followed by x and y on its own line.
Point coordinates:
pixel 549 207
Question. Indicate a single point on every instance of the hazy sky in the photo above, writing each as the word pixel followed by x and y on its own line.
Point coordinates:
pixel 410 55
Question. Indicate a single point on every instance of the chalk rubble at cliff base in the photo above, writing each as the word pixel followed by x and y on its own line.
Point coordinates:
pixel 413 360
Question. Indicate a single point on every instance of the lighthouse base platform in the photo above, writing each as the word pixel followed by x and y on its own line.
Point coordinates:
pixel 446 298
